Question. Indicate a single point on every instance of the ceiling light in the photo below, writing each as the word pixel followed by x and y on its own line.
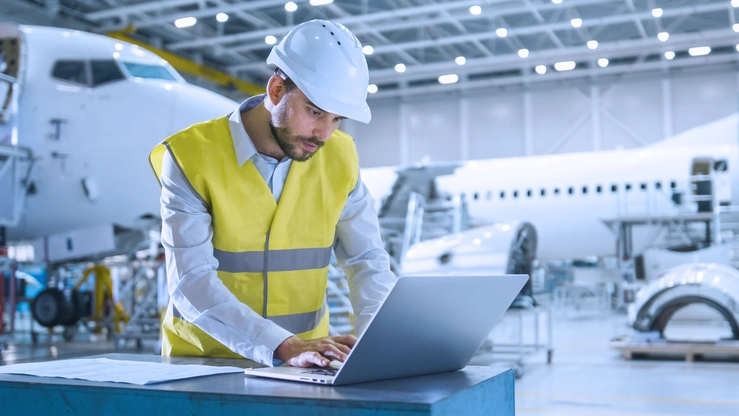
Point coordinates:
pixel 602 62
pixel 557 1
pixel 460 60
pixel 185 22
pixel 119 46
pixel 448 79
pixel 541 69
pixel 222 17
pixel 577 22
pixel 476 10
pixel 291 6
pixel 699 51
pixel 669 55
pixel 320 2
pixel 372 88
pixel 502 32
pixel 116 55
pixel 400 67
pixel 736 27
pixel 270 40
pixel 735 3
pixel 523 53
pixel 657 12
pixel 565 66
pixel 663 36
pixel 593 44
pixel 368 50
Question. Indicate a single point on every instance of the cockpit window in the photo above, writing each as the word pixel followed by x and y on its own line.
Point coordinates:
pixel 71 71
pixel 721 165
pixel 104 72
pixel 149 71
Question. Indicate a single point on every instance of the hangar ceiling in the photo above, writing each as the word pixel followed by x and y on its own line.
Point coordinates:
pixel 474 44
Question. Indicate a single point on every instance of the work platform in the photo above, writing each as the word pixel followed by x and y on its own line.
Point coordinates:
pixel 471 391
pixel 623 227
pixel 631 349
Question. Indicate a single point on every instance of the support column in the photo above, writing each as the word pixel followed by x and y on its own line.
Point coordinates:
pixel 404 140
pixel 666 108
pixel 595 122
pixel 528 127
pixel 464 128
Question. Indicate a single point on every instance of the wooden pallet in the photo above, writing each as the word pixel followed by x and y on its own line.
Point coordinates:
pixel 690 350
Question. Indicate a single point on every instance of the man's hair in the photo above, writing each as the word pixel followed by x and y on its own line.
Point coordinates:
pixel 289 84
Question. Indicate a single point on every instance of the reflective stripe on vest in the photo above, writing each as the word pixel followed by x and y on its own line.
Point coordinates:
pixel 296 323
pixel 277 261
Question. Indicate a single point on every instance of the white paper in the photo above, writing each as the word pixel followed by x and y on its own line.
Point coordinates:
pixel 117 371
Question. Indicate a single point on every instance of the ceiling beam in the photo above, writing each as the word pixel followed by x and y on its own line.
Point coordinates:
pixel 558 77
pixel 550 56
pixel 202 13
pixel 540 19
pixel 502 8
pixel 639 24
pixel 151 6
pixel 534 29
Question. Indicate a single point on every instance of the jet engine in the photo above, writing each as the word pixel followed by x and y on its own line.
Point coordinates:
pixel 503 248
pixel 710 284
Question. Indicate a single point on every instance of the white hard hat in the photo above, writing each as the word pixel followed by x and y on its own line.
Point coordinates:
pixel 325 60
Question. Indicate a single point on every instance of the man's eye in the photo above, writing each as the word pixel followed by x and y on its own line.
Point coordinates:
pixel 316 113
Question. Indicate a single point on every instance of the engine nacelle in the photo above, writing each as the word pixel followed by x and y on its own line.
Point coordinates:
pixel 494 249
pixel 711 284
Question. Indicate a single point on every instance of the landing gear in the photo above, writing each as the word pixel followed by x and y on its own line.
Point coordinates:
pixel 69 332
pixel 520 261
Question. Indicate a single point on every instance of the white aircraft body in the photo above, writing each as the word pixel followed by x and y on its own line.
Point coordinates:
pixel 566 196
pixel 89 109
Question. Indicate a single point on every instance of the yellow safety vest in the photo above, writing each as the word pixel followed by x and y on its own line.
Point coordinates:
pixel 272 256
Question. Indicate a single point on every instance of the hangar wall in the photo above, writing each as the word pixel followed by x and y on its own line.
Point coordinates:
pixel 547 119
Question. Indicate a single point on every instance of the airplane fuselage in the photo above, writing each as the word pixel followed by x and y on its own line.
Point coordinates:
pixel 91 136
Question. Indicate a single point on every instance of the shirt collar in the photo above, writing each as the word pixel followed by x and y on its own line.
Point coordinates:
pixel 243 145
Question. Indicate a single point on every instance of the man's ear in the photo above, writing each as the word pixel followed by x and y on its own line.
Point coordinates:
pixel 275 89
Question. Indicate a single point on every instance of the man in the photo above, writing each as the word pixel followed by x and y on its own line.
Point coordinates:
pixel 253 204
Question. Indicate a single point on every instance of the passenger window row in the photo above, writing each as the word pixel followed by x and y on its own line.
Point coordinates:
pixel 570 190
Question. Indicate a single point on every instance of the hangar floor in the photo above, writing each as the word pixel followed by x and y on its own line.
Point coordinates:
pixel 586 378
pixel 589 378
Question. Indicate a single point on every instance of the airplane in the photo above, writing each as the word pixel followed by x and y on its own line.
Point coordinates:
pixel 86 110
pixel 566 197
pixel 80 112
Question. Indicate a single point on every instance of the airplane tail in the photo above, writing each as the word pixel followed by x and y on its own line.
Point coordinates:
pixel 724 131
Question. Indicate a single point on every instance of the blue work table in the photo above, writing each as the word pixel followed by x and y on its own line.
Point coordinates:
pixel 471 391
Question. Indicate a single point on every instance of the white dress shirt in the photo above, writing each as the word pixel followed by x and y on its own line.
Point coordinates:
pixel 201 298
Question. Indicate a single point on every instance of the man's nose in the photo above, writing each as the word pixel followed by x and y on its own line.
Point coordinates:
pixel 323 130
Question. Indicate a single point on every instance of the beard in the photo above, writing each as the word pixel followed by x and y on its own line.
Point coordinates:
pixel 291 145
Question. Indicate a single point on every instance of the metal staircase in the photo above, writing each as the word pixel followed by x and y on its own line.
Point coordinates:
pixel 417 211
pixel 16 163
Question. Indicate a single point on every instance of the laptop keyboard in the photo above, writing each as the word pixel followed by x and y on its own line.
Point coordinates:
pixel 323 372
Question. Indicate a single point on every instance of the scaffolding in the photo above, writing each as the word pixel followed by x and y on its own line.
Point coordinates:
pixel 707 220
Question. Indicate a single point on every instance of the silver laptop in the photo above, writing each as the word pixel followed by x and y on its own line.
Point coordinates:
pixel 427 324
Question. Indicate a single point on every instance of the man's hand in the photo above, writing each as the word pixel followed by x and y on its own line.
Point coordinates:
pixel 307 353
